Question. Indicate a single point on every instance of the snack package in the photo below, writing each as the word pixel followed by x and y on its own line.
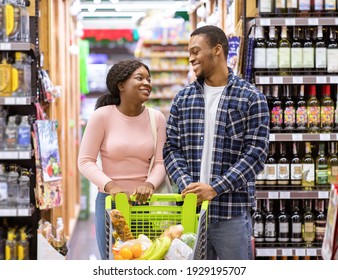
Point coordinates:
pixel 178 250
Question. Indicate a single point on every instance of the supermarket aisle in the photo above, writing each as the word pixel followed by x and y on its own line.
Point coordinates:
pixel 83 243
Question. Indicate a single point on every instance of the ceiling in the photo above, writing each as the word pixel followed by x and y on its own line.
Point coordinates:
pixel 125 14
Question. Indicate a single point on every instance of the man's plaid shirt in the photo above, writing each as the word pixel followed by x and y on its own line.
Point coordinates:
pixel 240 144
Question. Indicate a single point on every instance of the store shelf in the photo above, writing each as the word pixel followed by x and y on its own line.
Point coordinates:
pixel 15 100
pixel 165 42
pixel 12 46
pixel 25 154
pixel 182 69
pixel 294 21
pixel 288 252
pixel 165 55
pixel 17 212
pixel 299 137
pixel 294 79
pixel 323 193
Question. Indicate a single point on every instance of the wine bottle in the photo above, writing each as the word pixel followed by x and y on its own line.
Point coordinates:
pixel 292 7
pixel 326 110
pixel 265 8
pixel 301 113
pixel 332 52
pixel 304 7
pixel 308 168
pixel 321 51
pixel 289 111
pixel 318 7
pixel 330 6
pixel 313 111
pixel 333 164
pixel 295 166
pixel 308 51
pixel 296 51
pixel 258 223
pixel 259 50
pixel 283 166
pixel 272 51
pixel 284 53
pixel 296 223
pixel 270 223
pixel 308 227
pixel 276 113
pixel 321 166
pixel 320 221
pixel 283 223
pixel 271 166
pixel 280 7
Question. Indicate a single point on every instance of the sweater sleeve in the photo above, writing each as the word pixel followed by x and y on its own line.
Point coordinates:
pixel 158 172
pixel 89 150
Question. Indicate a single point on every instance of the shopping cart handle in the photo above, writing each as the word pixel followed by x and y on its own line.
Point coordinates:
pixel 164 197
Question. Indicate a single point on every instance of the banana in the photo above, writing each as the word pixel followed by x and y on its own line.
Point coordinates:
pixel 163 244
pixel 148 252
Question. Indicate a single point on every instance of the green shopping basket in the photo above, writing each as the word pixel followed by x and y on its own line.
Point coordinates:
pixel 163 211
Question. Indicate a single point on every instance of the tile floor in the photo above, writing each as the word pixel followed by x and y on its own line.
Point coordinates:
pixel 82 245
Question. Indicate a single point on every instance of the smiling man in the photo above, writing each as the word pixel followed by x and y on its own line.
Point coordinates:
pixel 217 142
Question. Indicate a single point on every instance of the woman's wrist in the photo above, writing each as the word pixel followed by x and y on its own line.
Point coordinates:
pixel 107 187
pixel 148 184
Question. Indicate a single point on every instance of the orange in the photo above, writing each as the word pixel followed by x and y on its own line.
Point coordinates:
pixel 126 253
pixel 118 257
pixel 136 249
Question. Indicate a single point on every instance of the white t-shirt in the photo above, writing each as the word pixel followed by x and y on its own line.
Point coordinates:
pixel 212 96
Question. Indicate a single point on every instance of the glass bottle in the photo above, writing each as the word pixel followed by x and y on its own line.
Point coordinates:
pixel 283 166
pixel 280 7
pixel 313 110
pixel 321 51
pixel 304 7
pixel 321 166
pixel 332 52
pixel 326 110
pixel 265 8
pixel 284 53
pixel 276 113
pixel 301 112
pixel 318 7
pixel 24 134
pixel 21 75
pixel 12 179
pixel 292 7
pixel 11 133
pixel 2 240
pixel 259 50
pixel 23 247
pixel 271 166
pixel 24 189
pixel 283 223
pixel 296 51
pixel 289 111
pixel 333 164
pixel 24 22
pixel 258 223
pixel 3 187
pixel 2 132
pixel 308 168
pixel 10 250
pixel 13 16
pixel 270 223
pixel 6 76
pixel 320 221
pixel 272 51
pixel 308 51
pixel 295 166
pixel 308 227
pixel 330 6
pixel 296 223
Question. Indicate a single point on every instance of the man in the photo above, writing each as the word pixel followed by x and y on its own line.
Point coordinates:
pixel 217 142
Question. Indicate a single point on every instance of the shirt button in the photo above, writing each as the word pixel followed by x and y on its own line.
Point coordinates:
pixel 202 137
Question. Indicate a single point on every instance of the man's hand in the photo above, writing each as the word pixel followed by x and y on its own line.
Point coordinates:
pixel 203 191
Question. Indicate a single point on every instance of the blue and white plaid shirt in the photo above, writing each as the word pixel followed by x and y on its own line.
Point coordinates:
pixel 240 144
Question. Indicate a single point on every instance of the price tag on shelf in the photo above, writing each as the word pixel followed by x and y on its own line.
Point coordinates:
pixel 273 195
pixel 312 21
pixel 24 155
pixel 9 101
pixel 297 80
pixel 5 46
pixel 20 101
pixel 272 137
pixel 290 21
pixel 285 195
pixel 324 137
pixel 300 252
pixel 311 252
pixel 336 21
pixel 277 80
pixel 264 21
pixel 323 194
pixel 334 80
pixel 23 211
pixel 287 252
pixel 266 252
pixel 8 155
pixel 297 137
pixel 321 80
pixel 264 80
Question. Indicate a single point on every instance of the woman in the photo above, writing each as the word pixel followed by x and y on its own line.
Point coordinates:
pixel 119 129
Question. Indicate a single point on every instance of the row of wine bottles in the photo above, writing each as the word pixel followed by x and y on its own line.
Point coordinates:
pixel 305 221
pixel 303 49
pixel 292 8
pixel 305 171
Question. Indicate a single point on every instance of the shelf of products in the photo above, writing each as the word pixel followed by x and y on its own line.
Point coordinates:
pixel 297 21
pixel 299 137
pixel 292 194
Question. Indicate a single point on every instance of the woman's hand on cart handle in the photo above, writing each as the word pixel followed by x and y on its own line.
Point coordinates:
pixel 114 189
pixel 143 193
pixel 203 191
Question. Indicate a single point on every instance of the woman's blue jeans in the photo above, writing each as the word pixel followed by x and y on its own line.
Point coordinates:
pixel 230 239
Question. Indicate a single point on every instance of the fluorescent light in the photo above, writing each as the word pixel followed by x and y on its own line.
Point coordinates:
pixel 113 14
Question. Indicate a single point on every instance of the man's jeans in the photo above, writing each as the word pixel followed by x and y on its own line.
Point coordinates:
pixel 230 239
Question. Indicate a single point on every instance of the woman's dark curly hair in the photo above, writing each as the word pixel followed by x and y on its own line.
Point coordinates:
pixel 119 72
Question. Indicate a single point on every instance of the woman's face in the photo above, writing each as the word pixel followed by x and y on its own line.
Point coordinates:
pixel 137 87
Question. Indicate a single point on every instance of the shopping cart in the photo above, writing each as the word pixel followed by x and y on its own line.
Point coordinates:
pixel 163 211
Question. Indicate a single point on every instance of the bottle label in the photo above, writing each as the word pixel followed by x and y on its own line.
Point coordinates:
pixel 260 58
pixel 301 116
pixel 309 227
pixel 271 171
pixel 308 172
pixel 289 116
pixel 304 5
pixel 308 57
pixel 332 60
pixel 272 58
pixel 330 5
pixel 296 57
pixel 283 171
pixel 283 227
pixel 319 5
pixel 265 6
pixel 296 228
pixel 284 57
pixel 292 3
pixel 270 230
pixel 296 171
pixel 322 176
pixel 24 136
pixel 327 115
pixel 3 191
pixel 280 3
pixel 314 115
pixel 277 116
pixel 258 229
pixel 334 170
pixel 321 57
